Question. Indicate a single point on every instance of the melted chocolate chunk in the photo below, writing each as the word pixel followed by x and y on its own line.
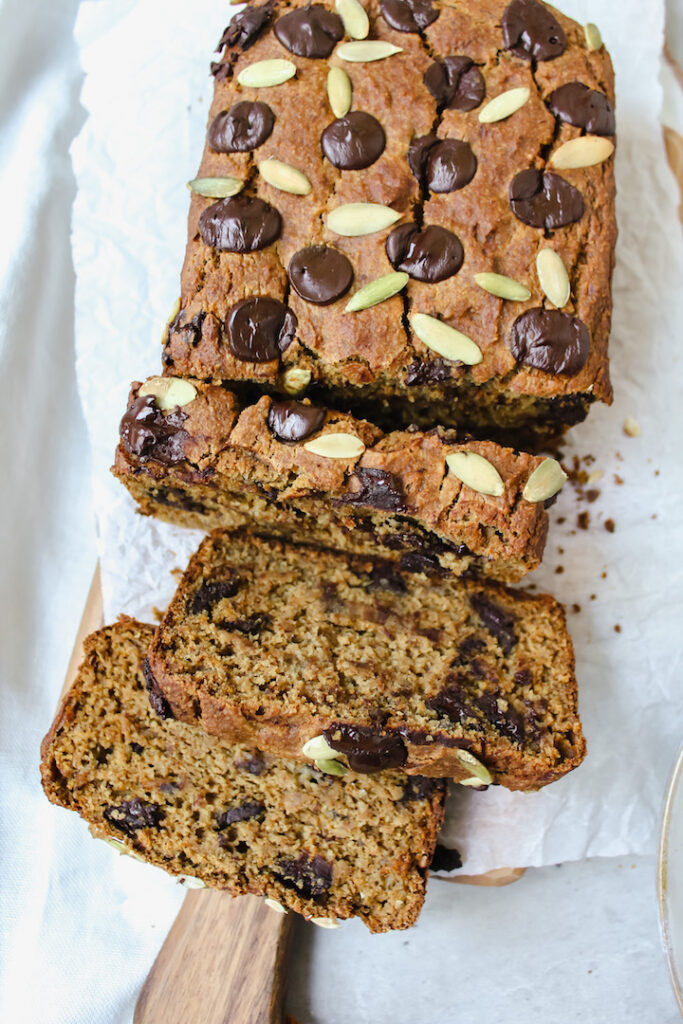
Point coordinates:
pixel 222 69
pixel 419 787
pixel 384 576
pixel 175 497
pixel 420 561
pixel 245 27
pixel 354 141
pixel 550 340
pixel 149 433
pixel 245 126
pixel 366 750
pixel 429 254
pixel 259 329
pixel 320 274
pixel 253 764
pixel 378 489
pixel 192 329
pixel 132 815
pixel 294 421
pixel 240 224
pixel 545 200
pixel 211 592
pixel 456 83
pixel 408 15
pixel 451 702
pixel 445 859
pixel 531 32
pixel 137 748
pixel 310 31
pixel 508 723
pixel 243 812
pixel 442 165
pixel 158 702
pixel 310 877
pixel 427 542
pixel 433 372
pixel 586 108
pixel 251 626
pixel 500 623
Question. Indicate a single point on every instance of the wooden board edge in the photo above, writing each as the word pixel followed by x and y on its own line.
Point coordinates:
pixel 91 619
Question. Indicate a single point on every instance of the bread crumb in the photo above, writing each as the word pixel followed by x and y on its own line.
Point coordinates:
pixel 631 427
pixel 617 628
pixel 609 525
pixel 559 569
pixel 576 608
pixel 583 520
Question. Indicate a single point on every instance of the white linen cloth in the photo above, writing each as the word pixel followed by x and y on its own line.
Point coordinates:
pixel 79 926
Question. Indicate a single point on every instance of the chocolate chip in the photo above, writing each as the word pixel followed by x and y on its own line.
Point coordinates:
pixel 429 254
pixel 158 702
pixel 137 748
pixel 586 108
pixel 445 859
pixel 211 592
pixel 550 340
pixel 354 141
pixel 294 421
pixel 245 27
pixel 175 497
pixel 419 787
pixel 252 763
pixel 367 750
pixel 320 274
pixel 259 329
pixel 240 224
pixel 426 542
pixel 149 433
pixel 434 371
pixel 250 626
pixel 310 31
pixel 451 703
pixel 132 815
pixel 221 70
pixel 243 812
pixel 545 200
pixel 384 576
pixel 456 83
pixel 310 877
pixel 419 561
pixel 531 32
pixel 378 489
pixel 442 165
pixel 408 15
pixel 245 126
pixel 508 723
pixel 499 622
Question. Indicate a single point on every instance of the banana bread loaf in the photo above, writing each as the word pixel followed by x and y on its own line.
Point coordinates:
pixel 207 464
pixel 234 817
pixel 275 644
pixel 481 136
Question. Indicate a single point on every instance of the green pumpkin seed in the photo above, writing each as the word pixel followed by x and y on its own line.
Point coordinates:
pixel 216 188
pixel 339 91
pixel 274 905
pixel 476 472
pixel 545 481
pixel 264 73
pixel 379 290
pixel 361 218
pixel 169 392
pixel 336 446
pixel 586 151
pixel 367 50
pixel 470 762
pixel 356 23
pixel 503 287
pixel 503 106
pixel 553 277
pixel 445 340
pixel 295 380
pixel 318 749
pixel 325 922
pixel 285 177
pixel 593 36
pixel 331 767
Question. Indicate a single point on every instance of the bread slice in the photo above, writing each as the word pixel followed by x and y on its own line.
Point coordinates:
pixel 273 644
pixel 234 817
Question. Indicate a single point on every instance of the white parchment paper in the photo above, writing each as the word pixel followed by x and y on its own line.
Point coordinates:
pixel 147 93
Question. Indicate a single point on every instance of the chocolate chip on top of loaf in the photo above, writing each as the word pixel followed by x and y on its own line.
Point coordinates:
pixel 436 153
pixel 231 816
pixel 425 500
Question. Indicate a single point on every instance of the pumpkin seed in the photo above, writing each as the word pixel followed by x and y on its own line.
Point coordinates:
pixel 169 392
pixel 593 36
pixel 285 177
pixel 339 91
pixel 631 427
pixel 264 73
pixel 361 218
pixel 191 882
pixel 379 290
pixel 174 314
pixel 355 19
pixel 586 151
pixel 274 905
pixel 445 340
pixel 545 481
pixel 367 50
pixel 325 922
pixel 473 781
pixel 331 767
pixel 336 446
pixel 503 287
pixel 216 188
pixel 504 105
pixel 476 472
pixel 318 749
pixel 295 380
pixel 553 277
pixel 470 762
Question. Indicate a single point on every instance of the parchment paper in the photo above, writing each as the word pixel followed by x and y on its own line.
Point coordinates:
pixel 147 93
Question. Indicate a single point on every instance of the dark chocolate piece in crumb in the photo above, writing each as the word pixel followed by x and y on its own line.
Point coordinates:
pixel 545 200
pixel 428 254
pixel 243 812
pixel 420 787
pixel 211 592
pixel 585 108
pixel 378 489
pixel 159 704
pixel 320 274
pixel 445 859
pixel 499 622
pixel 366 749
pixel 434 371
pixel 442 165
pixel 354 141
pixel 245 27
pixel 451 702
pixel 550 340
pixel 252 763
pixel 240 224
pixel 531 32
pixel 245 126
pixel 259 329
pixel 408 15
pixel 132 815
pixel 508 723
pixel 310 31
pixel 250 626
pixel 311 877
pixel 456 83
pixel 149 433
pixel 294 421
pixel 384 576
